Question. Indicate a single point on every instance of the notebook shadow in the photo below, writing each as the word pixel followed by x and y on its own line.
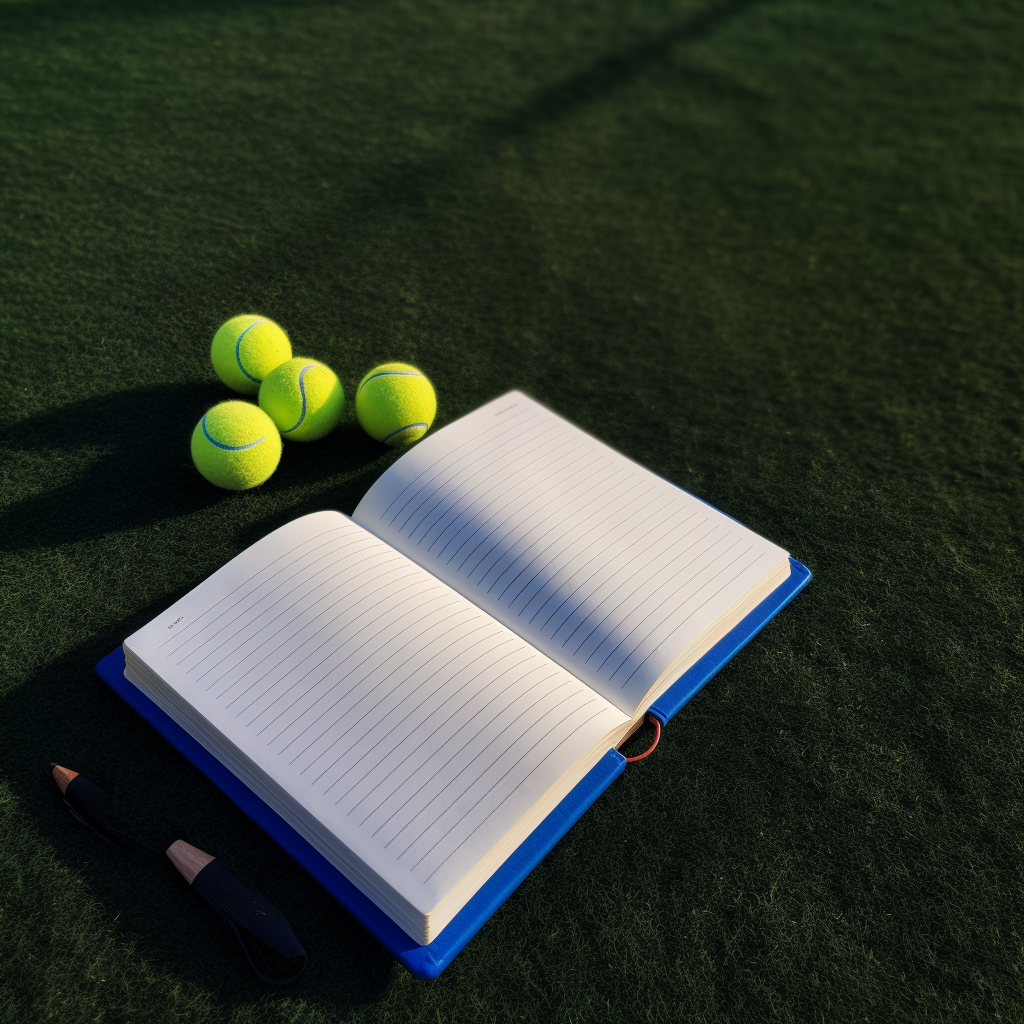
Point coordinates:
pixel 65 715
pixel 131 465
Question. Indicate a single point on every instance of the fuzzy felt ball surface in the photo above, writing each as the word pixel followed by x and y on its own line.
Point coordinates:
pixel 304 398
pixel 236 445
pixel 245 349
pixel 395 403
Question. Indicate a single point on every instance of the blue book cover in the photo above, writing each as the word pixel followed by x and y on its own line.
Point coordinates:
pixel 427 961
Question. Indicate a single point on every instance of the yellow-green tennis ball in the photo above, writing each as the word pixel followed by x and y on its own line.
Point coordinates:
pixel 246 349
pixel 236 445
pixel 304 398
pixel 395 403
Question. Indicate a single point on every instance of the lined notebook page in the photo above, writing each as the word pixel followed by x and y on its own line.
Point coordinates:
pixel 607 568
pixel 413 726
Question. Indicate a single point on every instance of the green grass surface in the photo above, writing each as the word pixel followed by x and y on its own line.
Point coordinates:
pixel 771 250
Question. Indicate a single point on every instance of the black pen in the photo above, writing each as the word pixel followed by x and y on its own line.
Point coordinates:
pixel 245 912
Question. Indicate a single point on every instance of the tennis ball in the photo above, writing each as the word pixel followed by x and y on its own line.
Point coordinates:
pixel 304 398
pixel 395 403
pixel 236 445
pixel 246 349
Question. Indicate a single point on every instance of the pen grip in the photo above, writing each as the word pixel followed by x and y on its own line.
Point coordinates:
pixel 88 799
pixel 246 909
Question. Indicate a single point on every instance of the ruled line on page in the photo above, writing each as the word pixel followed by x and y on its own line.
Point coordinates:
pixel 621 508
pixel 619 584
pixel 260 626
pixel 397 634
pixel 293 584
pixel 522 497
pixel 665 619
pixel 555 536
pixel 412 710
pixel 500 472
pixel 398 579
pixel 615 574
pixel 687 595
pixel 478 773
pixel 611 674
pixel 638 569
pixel 335 631
pixel 625 540
pixel 368 724
pixel 415 767
pixel 482 503
pixel 504 545
pixel 508 796
pixel 430 774
pixel 394 815
pixel 561 565
pixel 418 485
pixel 415 652
pixel 494 460
pixel 200 617
pixel 490 665
pixel 639 611
pixel 334 652
pixel 301 581
pixel 561 528
pixel 497 469
pixel 473 527
pixel 644 579
pixel 481 774
pixel 459 726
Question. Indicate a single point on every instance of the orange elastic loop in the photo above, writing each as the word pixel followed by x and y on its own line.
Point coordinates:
pixel 654 742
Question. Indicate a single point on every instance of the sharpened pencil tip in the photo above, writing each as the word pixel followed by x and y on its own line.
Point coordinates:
pixel 63 777
pixel 187 859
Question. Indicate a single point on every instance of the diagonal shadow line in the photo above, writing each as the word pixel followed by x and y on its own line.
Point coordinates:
pixel 409 184
pixel 613 71
pixel 406 182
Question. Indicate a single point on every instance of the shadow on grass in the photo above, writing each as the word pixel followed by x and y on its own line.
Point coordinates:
pixel 66 715
pixel 134 466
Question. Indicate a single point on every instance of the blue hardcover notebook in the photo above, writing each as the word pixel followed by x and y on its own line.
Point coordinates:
pixel 418 701
pixel 428 961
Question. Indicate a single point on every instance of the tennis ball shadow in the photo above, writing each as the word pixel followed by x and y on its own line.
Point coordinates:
pixel 65 715
pixel 122 460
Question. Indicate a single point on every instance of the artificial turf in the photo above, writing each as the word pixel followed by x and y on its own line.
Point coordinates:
pixel 771 250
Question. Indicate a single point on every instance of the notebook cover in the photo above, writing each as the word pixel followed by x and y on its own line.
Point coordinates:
pixel 424 961
pixel 428 961
pixel 669 703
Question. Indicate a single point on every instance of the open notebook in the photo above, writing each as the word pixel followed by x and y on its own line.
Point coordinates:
pixel 416 689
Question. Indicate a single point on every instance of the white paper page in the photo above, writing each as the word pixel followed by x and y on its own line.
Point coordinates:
pixel 609 569
pixel 412 725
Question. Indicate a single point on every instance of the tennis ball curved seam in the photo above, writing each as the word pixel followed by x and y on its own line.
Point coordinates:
pixel 395 411
pixel 246 348
pixel 302 393
pixel 304 398
pixel 223 452
pixel 401 430
pixel 388 373
pixel 238 351
pixel 230 447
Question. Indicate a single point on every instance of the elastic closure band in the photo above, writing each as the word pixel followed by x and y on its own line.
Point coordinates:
pixel 657 736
